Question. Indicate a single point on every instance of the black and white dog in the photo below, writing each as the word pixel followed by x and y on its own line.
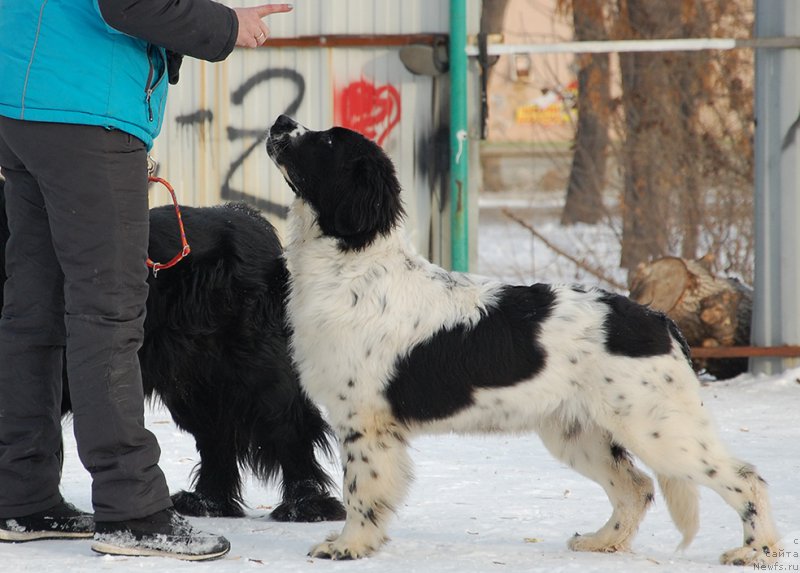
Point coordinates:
pixel 393 346
pixel 216 353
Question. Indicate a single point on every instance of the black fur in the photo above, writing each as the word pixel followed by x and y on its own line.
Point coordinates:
pixel 438 377
pixel 637 331
pixel 215 352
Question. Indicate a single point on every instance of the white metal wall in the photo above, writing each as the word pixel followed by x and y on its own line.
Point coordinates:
pixel 211 146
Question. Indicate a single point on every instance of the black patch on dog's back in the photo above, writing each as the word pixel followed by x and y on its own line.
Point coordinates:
pixel 636 331
pixel 438 377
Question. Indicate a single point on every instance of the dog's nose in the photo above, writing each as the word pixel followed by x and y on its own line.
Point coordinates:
pixel 284 124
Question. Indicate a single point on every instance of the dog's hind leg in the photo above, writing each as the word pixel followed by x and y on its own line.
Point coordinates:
pixel 707 463
pixel 746 491
pixel 377 473
pixel 590 451
pixel 672 433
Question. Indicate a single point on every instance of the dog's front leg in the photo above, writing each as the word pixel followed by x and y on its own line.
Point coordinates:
pixel 377 472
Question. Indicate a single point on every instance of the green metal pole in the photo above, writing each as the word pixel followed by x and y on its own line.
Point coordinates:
pixel 459 146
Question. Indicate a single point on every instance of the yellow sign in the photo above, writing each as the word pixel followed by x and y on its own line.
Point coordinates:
pixel 551 115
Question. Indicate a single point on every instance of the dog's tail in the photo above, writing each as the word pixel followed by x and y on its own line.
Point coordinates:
pixel 683 504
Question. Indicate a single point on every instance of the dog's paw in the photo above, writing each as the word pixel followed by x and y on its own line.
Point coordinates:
pixel 196 504
pixel 749 556
pixel 593 542
pixel 335 548
pixel 320 507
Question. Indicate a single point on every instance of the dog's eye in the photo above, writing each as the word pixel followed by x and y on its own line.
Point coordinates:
pixel 327 140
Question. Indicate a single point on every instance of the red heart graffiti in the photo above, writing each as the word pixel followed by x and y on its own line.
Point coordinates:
pixel 371 111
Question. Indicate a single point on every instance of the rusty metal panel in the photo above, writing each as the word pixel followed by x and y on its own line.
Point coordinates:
pixel 211 147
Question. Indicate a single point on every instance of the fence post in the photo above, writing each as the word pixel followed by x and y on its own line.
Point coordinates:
pixel 776 304
pixel 459 143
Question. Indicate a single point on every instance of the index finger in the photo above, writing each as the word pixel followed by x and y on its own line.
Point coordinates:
pixel 267 9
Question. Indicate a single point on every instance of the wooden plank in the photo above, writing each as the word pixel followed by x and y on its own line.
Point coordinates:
pixel 746 351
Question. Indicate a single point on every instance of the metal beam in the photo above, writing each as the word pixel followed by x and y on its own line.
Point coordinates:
pixel 776 303
pixel 354 40
pixel 618 46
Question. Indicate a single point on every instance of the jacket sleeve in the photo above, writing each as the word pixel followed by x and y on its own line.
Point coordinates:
pixel 202 29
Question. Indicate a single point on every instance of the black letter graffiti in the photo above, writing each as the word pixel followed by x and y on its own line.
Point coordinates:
pixel 237 97
pixel 199 117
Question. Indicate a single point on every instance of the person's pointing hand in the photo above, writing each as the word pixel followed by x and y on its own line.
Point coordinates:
pixel 252 29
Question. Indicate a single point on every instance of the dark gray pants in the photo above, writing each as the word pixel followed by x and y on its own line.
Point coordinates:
pixel 76 200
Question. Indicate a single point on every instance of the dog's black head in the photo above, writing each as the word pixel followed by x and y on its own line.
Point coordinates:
pixel 347 179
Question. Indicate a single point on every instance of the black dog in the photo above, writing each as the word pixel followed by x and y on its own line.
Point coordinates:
pixel 215 352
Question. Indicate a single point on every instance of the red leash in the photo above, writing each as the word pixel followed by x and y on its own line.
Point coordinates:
pixel 185 249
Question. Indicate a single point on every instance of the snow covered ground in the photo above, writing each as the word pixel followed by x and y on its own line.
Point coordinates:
pixel 479 504
pixel 482 504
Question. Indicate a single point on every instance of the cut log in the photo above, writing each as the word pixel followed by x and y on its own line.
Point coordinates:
pixel 711 311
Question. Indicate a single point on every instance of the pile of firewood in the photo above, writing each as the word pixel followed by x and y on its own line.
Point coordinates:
pixel 711 311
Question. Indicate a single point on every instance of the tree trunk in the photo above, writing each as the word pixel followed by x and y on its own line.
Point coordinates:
pixel 693 67
pixel 584 199
pixel 492 15
pixel 652 131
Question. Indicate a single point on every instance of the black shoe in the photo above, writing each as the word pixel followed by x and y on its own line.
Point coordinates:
pixel 62 521
pixel 165 534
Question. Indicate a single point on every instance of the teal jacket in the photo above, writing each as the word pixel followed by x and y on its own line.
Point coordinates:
pixel 103 62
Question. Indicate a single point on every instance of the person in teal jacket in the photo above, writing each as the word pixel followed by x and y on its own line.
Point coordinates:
pixel 83 85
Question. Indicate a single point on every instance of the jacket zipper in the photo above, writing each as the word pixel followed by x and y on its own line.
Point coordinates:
pixel 149 89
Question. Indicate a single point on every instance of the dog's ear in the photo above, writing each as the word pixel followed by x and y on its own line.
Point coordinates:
pixel 368 202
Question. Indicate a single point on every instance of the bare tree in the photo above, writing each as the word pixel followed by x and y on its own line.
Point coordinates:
pixel 679 135
pixel 676 139
pixel 584 198
pixel 492 14
pixel 652 131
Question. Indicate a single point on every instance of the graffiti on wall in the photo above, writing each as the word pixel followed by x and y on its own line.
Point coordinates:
pixel 371 110
pixel 258 135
